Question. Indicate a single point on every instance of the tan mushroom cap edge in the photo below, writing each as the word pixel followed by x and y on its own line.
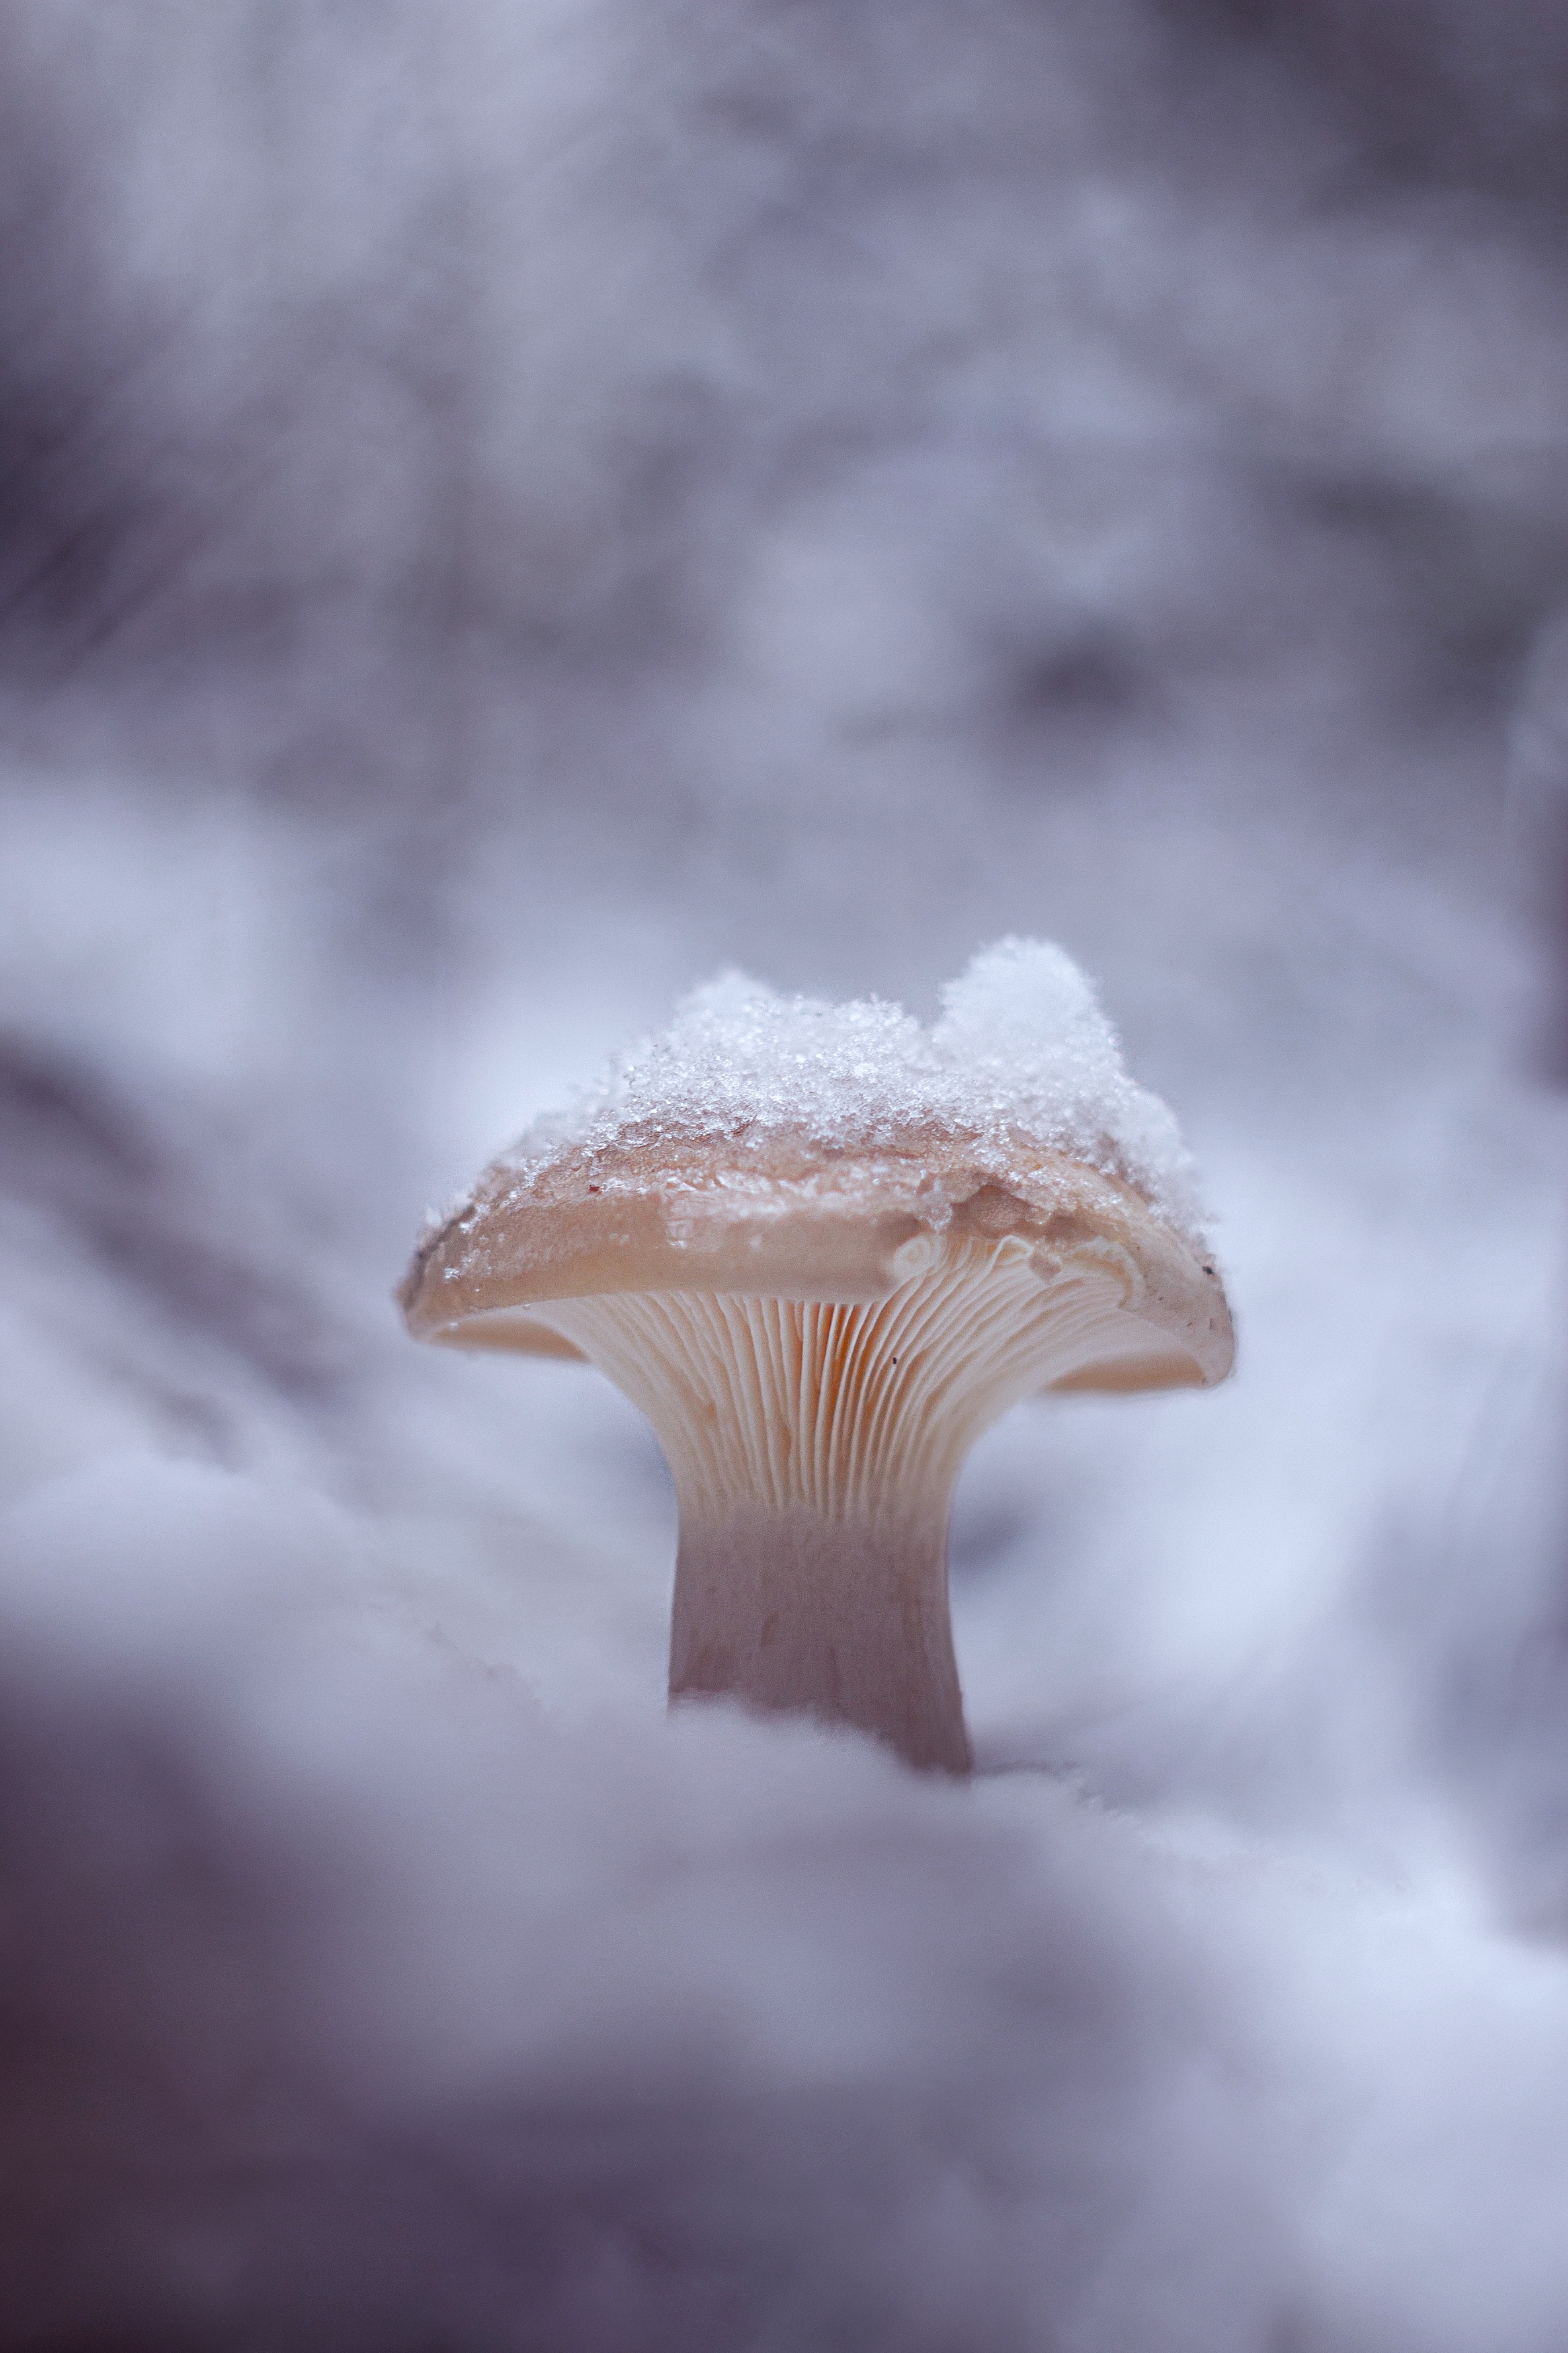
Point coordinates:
pixel 781 1216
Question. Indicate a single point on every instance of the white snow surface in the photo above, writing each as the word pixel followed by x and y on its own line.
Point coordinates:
pixel 1023 1050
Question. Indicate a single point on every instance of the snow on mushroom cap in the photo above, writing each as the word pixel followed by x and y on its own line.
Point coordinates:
pixel 1023 1038
pixel 1022 1051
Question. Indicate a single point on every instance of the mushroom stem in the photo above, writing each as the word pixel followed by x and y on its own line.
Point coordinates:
pixel 844 1616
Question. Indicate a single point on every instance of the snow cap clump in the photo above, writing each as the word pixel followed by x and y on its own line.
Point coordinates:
pixel 1026 1040
pixel 1022 1051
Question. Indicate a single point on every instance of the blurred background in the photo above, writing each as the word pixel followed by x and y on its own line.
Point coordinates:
pixel 507 507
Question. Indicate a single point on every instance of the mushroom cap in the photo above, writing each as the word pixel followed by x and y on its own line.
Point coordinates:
pixel 780 1214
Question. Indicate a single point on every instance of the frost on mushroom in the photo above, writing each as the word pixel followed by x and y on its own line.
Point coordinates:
pixel 822 1248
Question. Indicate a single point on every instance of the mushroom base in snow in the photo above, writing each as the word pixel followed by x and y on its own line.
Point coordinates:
pixel 843 1616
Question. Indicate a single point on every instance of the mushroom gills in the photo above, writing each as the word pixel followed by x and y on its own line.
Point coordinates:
pixel 815 1447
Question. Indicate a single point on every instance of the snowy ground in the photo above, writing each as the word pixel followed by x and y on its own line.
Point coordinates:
pixel 543 502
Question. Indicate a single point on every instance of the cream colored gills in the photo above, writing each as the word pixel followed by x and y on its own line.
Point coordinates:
pixel 815 1447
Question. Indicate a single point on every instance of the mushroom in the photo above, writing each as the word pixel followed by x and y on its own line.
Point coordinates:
pixel 821 1276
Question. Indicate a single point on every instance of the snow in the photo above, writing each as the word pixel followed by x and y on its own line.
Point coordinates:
pixel 1023 1052
pixel 540 502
